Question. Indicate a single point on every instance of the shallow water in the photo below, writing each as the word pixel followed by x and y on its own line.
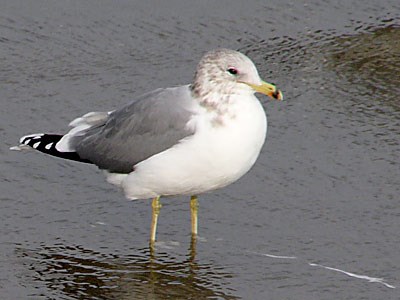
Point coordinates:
pixel 316 218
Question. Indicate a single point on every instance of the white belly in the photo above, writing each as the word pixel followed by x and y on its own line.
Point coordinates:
pixel 214 157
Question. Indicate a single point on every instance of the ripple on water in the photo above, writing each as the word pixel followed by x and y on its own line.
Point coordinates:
pixel 370 60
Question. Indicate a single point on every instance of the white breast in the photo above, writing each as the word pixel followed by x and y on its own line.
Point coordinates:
pixel 215 156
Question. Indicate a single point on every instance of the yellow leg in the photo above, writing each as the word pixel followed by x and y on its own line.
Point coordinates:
pixel 156 206
pixel 194 207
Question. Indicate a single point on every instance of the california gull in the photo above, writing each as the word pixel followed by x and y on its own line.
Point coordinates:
pixel 183 140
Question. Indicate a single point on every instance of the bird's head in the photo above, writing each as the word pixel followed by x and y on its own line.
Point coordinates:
pixel 225 71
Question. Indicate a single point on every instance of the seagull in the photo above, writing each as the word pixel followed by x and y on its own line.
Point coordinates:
pixel 184 140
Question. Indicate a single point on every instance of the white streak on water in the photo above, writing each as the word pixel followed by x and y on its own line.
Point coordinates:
pixel 365 277
pixel 273 256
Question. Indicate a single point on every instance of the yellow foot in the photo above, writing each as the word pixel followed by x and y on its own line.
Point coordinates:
pixel 156 207
pixel 194 207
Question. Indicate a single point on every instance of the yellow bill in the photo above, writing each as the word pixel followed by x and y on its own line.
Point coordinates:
pixel 267 89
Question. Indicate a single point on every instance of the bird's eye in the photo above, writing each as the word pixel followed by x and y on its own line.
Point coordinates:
pixel 233 71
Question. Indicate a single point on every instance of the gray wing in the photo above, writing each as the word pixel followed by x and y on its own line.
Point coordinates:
pixel 151 124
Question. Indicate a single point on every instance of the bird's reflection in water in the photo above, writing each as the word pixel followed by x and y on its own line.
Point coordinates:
pixel 79 273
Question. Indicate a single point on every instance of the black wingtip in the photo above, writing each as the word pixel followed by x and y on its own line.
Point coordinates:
pixel 46 143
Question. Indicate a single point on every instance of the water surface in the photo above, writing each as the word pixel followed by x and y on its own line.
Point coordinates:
pixel 316 218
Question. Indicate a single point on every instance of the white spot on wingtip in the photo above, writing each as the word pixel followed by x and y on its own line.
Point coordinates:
pixel 26 142
pixel 30 136
pixel 35 145
pixel 48 146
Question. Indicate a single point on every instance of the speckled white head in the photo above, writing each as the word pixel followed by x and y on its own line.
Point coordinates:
pixel 228 72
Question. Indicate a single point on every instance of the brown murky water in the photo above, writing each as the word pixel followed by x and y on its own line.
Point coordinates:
pixel 316 218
